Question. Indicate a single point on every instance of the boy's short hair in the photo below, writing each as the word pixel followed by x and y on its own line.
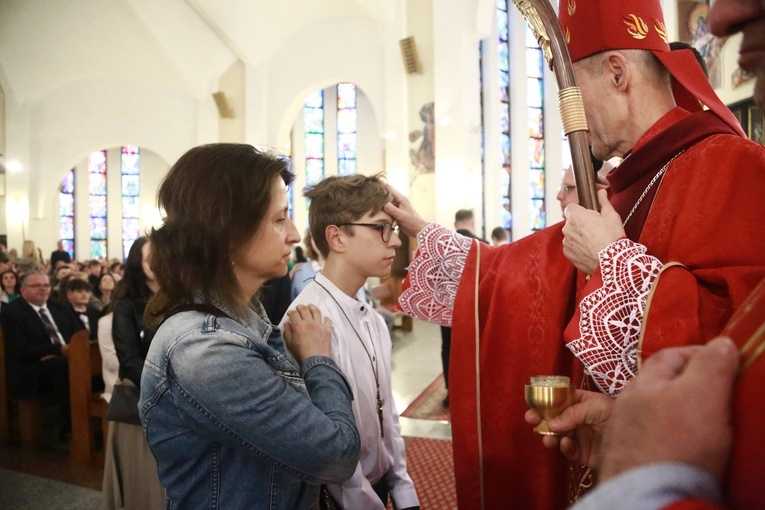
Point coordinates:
pixel 78 284
pixel 343 200
pixel 463 214
pixel 499 233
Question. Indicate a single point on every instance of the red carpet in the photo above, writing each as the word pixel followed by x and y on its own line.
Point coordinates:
pixel 431 466
pixel 429 404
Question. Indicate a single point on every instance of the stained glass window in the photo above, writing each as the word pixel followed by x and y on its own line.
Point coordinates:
pixel 347 138
pixel 97 204
pixel 131 209
pixel 313 117
pixel 66 212
pixel 535 96
pixel 503 29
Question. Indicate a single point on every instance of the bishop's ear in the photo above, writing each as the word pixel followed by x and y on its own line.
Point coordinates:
pixel 618 68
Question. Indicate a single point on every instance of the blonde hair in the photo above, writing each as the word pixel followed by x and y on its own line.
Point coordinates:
pixel 28 249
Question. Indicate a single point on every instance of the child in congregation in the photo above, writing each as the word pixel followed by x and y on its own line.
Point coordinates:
pixel 358 240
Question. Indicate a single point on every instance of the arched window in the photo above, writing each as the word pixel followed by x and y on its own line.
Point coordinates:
pixel 313 115
pixel 535 87
pixel 97 204
pixel 347 139
pixel 503 29
pixel 66 212
pixel 131 210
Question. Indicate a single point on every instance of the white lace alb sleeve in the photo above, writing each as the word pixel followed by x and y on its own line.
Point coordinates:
pixel 612 315
pixel 434 275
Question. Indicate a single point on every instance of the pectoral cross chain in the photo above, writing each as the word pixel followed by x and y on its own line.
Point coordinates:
pixel 380 403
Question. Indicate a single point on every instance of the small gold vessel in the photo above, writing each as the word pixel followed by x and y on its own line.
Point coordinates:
pixel 549 395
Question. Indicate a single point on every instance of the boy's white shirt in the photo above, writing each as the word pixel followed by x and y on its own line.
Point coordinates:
pixel 379 455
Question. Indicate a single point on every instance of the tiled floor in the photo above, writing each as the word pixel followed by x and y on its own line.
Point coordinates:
pixel 416 363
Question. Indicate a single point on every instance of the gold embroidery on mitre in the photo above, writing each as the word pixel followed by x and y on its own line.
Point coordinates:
pixel 661 29
pixel 571 7
pixel 568 36
pixel 636 27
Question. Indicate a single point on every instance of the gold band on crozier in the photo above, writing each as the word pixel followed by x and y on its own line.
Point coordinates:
pixel 572 110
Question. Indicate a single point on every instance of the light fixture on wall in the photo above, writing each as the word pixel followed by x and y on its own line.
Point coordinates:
pixel 224 108
pixel 412 62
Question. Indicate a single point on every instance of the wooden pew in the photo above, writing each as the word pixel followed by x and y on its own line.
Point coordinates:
pixel 28 411
pixel 387 293
pixel 88 408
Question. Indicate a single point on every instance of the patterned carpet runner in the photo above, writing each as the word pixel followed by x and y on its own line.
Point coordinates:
pixel 429 404
pixel 431 466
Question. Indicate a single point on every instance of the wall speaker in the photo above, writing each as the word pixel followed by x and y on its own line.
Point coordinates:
pixel 224 109
pixel 412 62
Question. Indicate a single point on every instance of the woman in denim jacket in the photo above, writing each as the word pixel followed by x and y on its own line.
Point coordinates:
pixel 231 423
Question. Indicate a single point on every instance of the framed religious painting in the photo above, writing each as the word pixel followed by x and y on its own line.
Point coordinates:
pixel 692 28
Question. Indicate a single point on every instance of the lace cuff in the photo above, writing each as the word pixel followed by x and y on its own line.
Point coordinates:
pixel 611 316
pixel 434 275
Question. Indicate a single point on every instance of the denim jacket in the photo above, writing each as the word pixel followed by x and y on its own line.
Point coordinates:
pixel 233 425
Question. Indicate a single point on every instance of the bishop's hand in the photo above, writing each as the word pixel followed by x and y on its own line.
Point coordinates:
pixel 587 232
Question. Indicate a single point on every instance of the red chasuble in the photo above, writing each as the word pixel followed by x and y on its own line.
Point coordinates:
pixel 705 223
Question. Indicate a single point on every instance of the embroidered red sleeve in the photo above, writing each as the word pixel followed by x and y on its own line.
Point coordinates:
pixel 434 275
pixel 611 316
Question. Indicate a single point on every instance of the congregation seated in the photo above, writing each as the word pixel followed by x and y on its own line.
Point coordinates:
pixel 36 331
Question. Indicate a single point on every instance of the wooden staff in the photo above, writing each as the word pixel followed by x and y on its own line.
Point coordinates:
pixel 544 23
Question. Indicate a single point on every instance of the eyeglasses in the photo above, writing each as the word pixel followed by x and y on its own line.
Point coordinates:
pixel 565 188
pixel 37 285
pixel 386 229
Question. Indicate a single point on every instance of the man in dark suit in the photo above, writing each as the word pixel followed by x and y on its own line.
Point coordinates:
pixel 78 294
pixel 37 332
pixel 463 224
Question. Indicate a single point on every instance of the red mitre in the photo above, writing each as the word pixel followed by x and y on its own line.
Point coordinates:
pixel 592 26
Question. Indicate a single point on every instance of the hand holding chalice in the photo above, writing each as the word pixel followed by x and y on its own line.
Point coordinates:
pixel 549 395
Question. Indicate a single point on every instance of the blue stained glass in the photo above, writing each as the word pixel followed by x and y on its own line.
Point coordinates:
pixel 97 162
pixel 66 230
pixel 504 95
pixel 346 121
pixel 505 141
pixel 534 92
pixel 65 204
pixel 67 183
pixel 131 207
pixel 313 120
pixel 131 229
pixel 502 25
pixel 314 146
pixel 534 64
pixel 503 57
pixel 130 185
pixel 97 206
pixel 97 249
pixel 531 41
pixel 346 95
pixel 507 216
pixel 346 166
pixel 537 183
pixel 538 218
pixel 131 159
pixel 502 5
pixel 290 199
pixel 315 100
pixel 504 117
pixel 504 181
pixel 97 184
pixel 97 228
pixel 536 153
pixel 314 170
pixel 535 122
pixel 346 146
pixel 69 246
pixel 504 80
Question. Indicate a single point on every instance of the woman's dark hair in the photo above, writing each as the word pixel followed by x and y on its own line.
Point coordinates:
pixel 97 289
pixel 15 287
pixel 299 255
pixel 133 283
pixel 215 198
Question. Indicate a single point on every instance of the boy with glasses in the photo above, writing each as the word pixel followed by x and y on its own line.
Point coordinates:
pixel 358 240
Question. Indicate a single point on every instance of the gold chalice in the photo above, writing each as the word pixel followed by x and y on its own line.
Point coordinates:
pixel 549 395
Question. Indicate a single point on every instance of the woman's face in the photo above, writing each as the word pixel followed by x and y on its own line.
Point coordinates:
pixel 146 257
pixel 267 253
pixel 107 282
pixel 9 282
